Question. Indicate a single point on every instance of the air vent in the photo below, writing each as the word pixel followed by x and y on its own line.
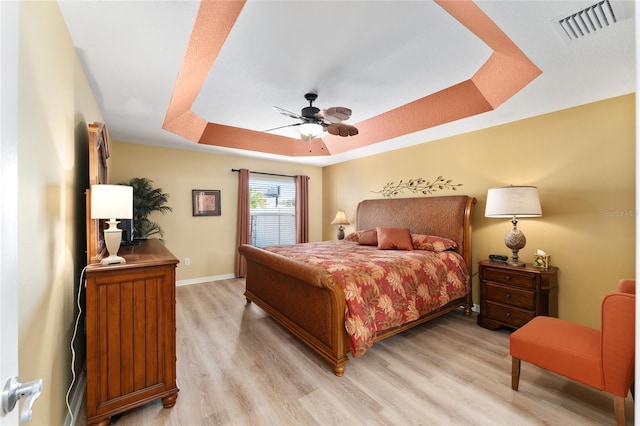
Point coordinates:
pixel 589 20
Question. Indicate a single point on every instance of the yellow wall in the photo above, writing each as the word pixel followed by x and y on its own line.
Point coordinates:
pixel 583 162
pixel 55 104
pixel 209 241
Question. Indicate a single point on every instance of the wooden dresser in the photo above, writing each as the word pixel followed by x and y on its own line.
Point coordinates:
pixel 131 331
pixel 511 296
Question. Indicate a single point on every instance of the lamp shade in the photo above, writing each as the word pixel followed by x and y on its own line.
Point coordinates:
pixel 510 201
pixel 111 202
pixel 340 219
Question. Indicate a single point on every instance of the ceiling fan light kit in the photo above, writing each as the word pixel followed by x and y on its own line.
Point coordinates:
pixel 315 121
pixel 310 130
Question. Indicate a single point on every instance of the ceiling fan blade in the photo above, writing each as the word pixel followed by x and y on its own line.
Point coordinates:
pixel 342 129
pixel 287 113
pixel 282 127
pixel 336 114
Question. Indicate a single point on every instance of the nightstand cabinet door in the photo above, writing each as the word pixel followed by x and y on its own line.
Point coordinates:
pixel 131 332
pixel 511 296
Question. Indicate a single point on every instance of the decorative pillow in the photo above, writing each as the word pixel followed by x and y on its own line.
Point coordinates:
pixel 353 236
pixel 368 237
pixel 432 243
pixel 394 239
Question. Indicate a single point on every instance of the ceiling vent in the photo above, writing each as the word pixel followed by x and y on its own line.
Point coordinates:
pixel 597 17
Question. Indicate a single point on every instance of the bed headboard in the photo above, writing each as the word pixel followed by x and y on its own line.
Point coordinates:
pixel 448 216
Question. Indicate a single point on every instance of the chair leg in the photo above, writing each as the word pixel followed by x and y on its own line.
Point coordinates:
pixel 515 373
pixel 618 408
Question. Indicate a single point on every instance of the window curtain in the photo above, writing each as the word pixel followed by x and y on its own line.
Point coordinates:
pixel 302 209
pixel 243 235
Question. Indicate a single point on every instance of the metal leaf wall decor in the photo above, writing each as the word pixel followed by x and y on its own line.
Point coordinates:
pixel 417 186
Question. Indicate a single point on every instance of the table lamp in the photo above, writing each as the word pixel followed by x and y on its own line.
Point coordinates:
pixel 513 202
pixel 112 202
pixel 340 220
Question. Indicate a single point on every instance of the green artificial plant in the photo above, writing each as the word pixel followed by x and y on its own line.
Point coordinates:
pixel 147 199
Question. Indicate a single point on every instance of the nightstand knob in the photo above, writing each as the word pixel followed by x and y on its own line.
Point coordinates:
pixel 508 277
pixel 507 296
pixel 508 315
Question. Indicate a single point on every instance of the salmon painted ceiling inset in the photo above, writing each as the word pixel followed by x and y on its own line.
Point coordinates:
pixel 506 72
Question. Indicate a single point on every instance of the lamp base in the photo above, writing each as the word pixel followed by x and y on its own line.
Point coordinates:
pixel 515 240
pixel 515 262
pixel 340 232
pixel 112 259
pixel 112 238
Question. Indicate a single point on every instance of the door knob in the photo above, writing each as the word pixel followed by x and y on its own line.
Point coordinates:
pixel 14 390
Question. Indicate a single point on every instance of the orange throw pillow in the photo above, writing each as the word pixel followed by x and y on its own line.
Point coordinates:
pixel 394 239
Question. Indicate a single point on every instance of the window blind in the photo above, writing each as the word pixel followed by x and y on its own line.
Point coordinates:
pixel 272 202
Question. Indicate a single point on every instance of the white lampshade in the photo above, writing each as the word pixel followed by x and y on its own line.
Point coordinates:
pixel 510 201
pixel 340 219
pixel 111 202
pixel 310 130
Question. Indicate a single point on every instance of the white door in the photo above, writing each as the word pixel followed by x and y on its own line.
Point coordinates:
pixel 8 198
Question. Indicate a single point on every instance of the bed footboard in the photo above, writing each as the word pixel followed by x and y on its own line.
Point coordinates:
pixel 306 300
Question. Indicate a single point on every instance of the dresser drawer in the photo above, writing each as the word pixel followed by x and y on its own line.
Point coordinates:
pixel 510 296
pixel 508 315
pixel 510 277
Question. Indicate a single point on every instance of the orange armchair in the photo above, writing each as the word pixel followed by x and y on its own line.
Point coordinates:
pixel 603 359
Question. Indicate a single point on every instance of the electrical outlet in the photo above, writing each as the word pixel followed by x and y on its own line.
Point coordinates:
pixel 187 261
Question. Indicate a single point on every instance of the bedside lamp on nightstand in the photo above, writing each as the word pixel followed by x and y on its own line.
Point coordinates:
pixel 340 220
pixel 112 202
pixel 513 202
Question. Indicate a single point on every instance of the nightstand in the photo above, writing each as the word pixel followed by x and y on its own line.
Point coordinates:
pixel 511 296
pixel 131 332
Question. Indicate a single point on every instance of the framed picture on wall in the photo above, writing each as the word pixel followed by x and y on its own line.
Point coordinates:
pixel 206 202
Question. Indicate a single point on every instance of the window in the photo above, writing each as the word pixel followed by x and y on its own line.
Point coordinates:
pixel 272 203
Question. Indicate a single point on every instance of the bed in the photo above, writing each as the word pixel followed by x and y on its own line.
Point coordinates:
pixel 311 294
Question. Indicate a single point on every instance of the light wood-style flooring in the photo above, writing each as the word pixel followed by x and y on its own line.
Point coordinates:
pixel 238 367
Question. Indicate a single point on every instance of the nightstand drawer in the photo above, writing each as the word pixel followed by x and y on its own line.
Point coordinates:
pixel 510 277
pixel 511 296
pixel 508 315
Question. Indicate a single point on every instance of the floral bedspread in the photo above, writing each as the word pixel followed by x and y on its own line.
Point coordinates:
pixel 384 288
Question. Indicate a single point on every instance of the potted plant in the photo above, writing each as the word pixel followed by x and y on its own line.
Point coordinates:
pixel 147 199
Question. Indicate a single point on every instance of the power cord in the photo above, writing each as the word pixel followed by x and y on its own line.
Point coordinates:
pixel 73 351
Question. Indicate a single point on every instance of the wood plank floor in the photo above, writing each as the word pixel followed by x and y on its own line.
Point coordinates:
pixel 237 367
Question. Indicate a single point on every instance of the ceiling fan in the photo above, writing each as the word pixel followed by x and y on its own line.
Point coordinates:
pixel 314 121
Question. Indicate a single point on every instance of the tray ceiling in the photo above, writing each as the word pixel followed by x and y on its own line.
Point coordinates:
pixel 205 76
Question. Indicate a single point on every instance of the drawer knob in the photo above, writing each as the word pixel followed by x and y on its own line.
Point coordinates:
pixel 508 315
pixel 507 277
pixel 507 296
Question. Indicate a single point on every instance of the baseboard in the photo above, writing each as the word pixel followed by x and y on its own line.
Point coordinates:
pixel 77 396
pixel 475 308
pixel 205 279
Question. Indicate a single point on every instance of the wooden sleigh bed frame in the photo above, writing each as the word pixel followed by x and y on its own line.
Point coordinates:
pixel 310 303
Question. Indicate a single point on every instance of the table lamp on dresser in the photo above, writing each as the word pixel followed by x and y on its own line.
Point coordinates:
pixel 112 202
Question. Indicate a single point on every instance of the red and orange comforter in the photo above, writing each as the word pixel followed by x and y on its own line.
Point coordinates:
pixel 384 288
